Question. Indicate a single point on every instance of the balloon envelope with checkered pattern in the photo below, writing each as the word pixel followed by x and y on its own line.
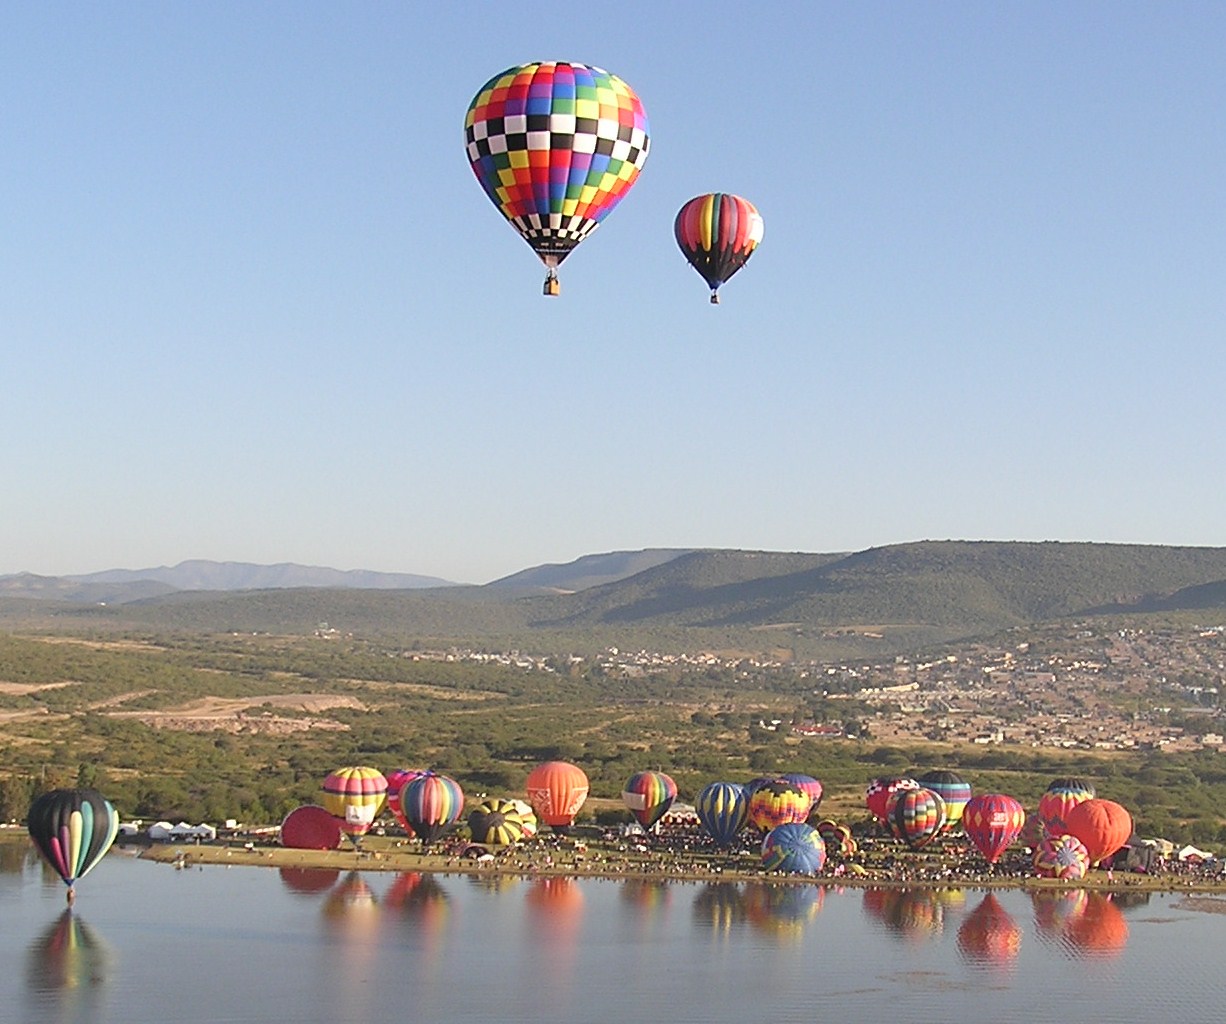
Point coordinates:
pixel 556 146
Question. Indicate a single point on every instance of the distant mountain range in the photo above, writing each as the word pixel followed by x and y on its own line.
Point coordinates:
pixel 121 585
pixel 883 599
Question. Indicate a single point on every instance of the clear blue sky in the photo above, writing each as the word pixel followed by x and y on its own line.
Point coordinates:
pixel 254 306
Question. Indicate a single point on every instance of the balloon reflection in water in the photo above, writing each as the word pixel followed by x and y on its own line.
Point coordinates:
pixel 914 915
pixel 554 909
pixel 309 881
pixel 419 897
pixel 782 911
pixel 646 895
pixel 989 936
pixel 1055 909
pixel 1100 930
pixel 719 905
pixel 352 909
pixel 69 956
pixel 1084 924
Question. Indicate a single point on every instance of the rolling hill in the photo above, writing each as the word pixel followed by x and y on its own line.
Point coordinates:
pixel 891 598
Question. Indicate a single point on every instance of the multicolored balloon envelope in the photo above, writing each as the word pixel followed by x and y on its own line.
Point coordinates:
pixel 806 784
pixel 310 827
pixel 355 796
pixel 723 810
pixel 879 792
pixel 432 803
pixel 838 838
pixel 993 821
pixel 795 848
pixel 73 829
pixel 501 822
pixel 777 803
pixel 1060 798
pixel 556 791
pixel 717 233
pixel 649 795
pixel 1102 825
pixel 951 788
pixel 397 779
pixel 916 816
pixel 1064 857
pixel 556 146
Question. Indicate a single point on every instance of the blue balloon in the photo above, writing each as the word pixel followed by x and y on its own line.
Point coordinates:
pixel 795 848
pixel 723 808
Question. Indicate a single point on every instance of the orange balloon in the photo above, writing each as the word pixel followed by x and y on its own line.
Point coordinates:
pixel 556 791
pixel 1103 827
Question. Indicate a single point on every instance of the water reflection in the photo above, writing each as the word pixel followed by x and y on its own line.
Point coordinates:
pixel 14 857
pixel 989 937
pixel 1082 924
pixel 554 909
pixel 309 881
pixel 913 915
pixel 783 911
pixel 68 967
pixel 719 906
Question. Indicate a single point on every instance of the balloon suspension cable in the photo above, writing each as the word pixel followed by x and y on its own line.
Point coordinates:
pixel 552 285
pixel 714 297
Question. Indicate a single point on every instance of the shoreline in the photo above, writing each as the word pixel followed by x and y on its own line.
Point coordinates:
pixel 616 867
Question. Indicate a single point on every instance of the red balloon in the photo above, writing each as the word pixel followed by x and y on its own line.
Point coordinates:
pixel 310 827
pixel 1103 827
pixel 556 791
pixel 993 821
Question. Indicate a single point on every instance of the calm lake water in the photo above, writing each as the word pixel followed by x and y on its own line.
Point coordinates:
pixel 147 942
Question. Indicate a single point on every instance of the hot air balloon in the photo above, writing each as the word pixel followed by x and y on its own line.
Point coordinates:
pixel 794 848
pixel 806 784
pixel 723 810
pixel 1102 825
pixel 1063 857
pixel 355 796
pixel 397 779
pixel 1060 798
pixel 556 146
pixel 879 792
pixel 527 817
pixel 993 821
pixel 717 233
pixel 649 795
pixel 72 829
pixel 777 803
pixel 838 838
pixel 499 822
pixel 556 791
pixel 310 827
pixel 432 803
pixel 951 788
pixel 916 816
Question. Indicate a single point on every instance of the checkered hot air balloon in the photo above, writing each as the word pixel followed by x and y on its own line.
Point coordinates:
pixel 556 146
pixel 354 796
pixel 717 233
pixel 879 792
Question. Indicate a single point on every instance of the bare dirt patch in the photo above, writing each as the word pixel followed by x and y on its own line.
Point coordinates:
pixel 21 689
pixel 248 714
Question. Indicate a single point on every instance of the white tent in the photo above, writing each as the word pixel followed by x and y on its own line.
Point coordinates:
pixel 1193 854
